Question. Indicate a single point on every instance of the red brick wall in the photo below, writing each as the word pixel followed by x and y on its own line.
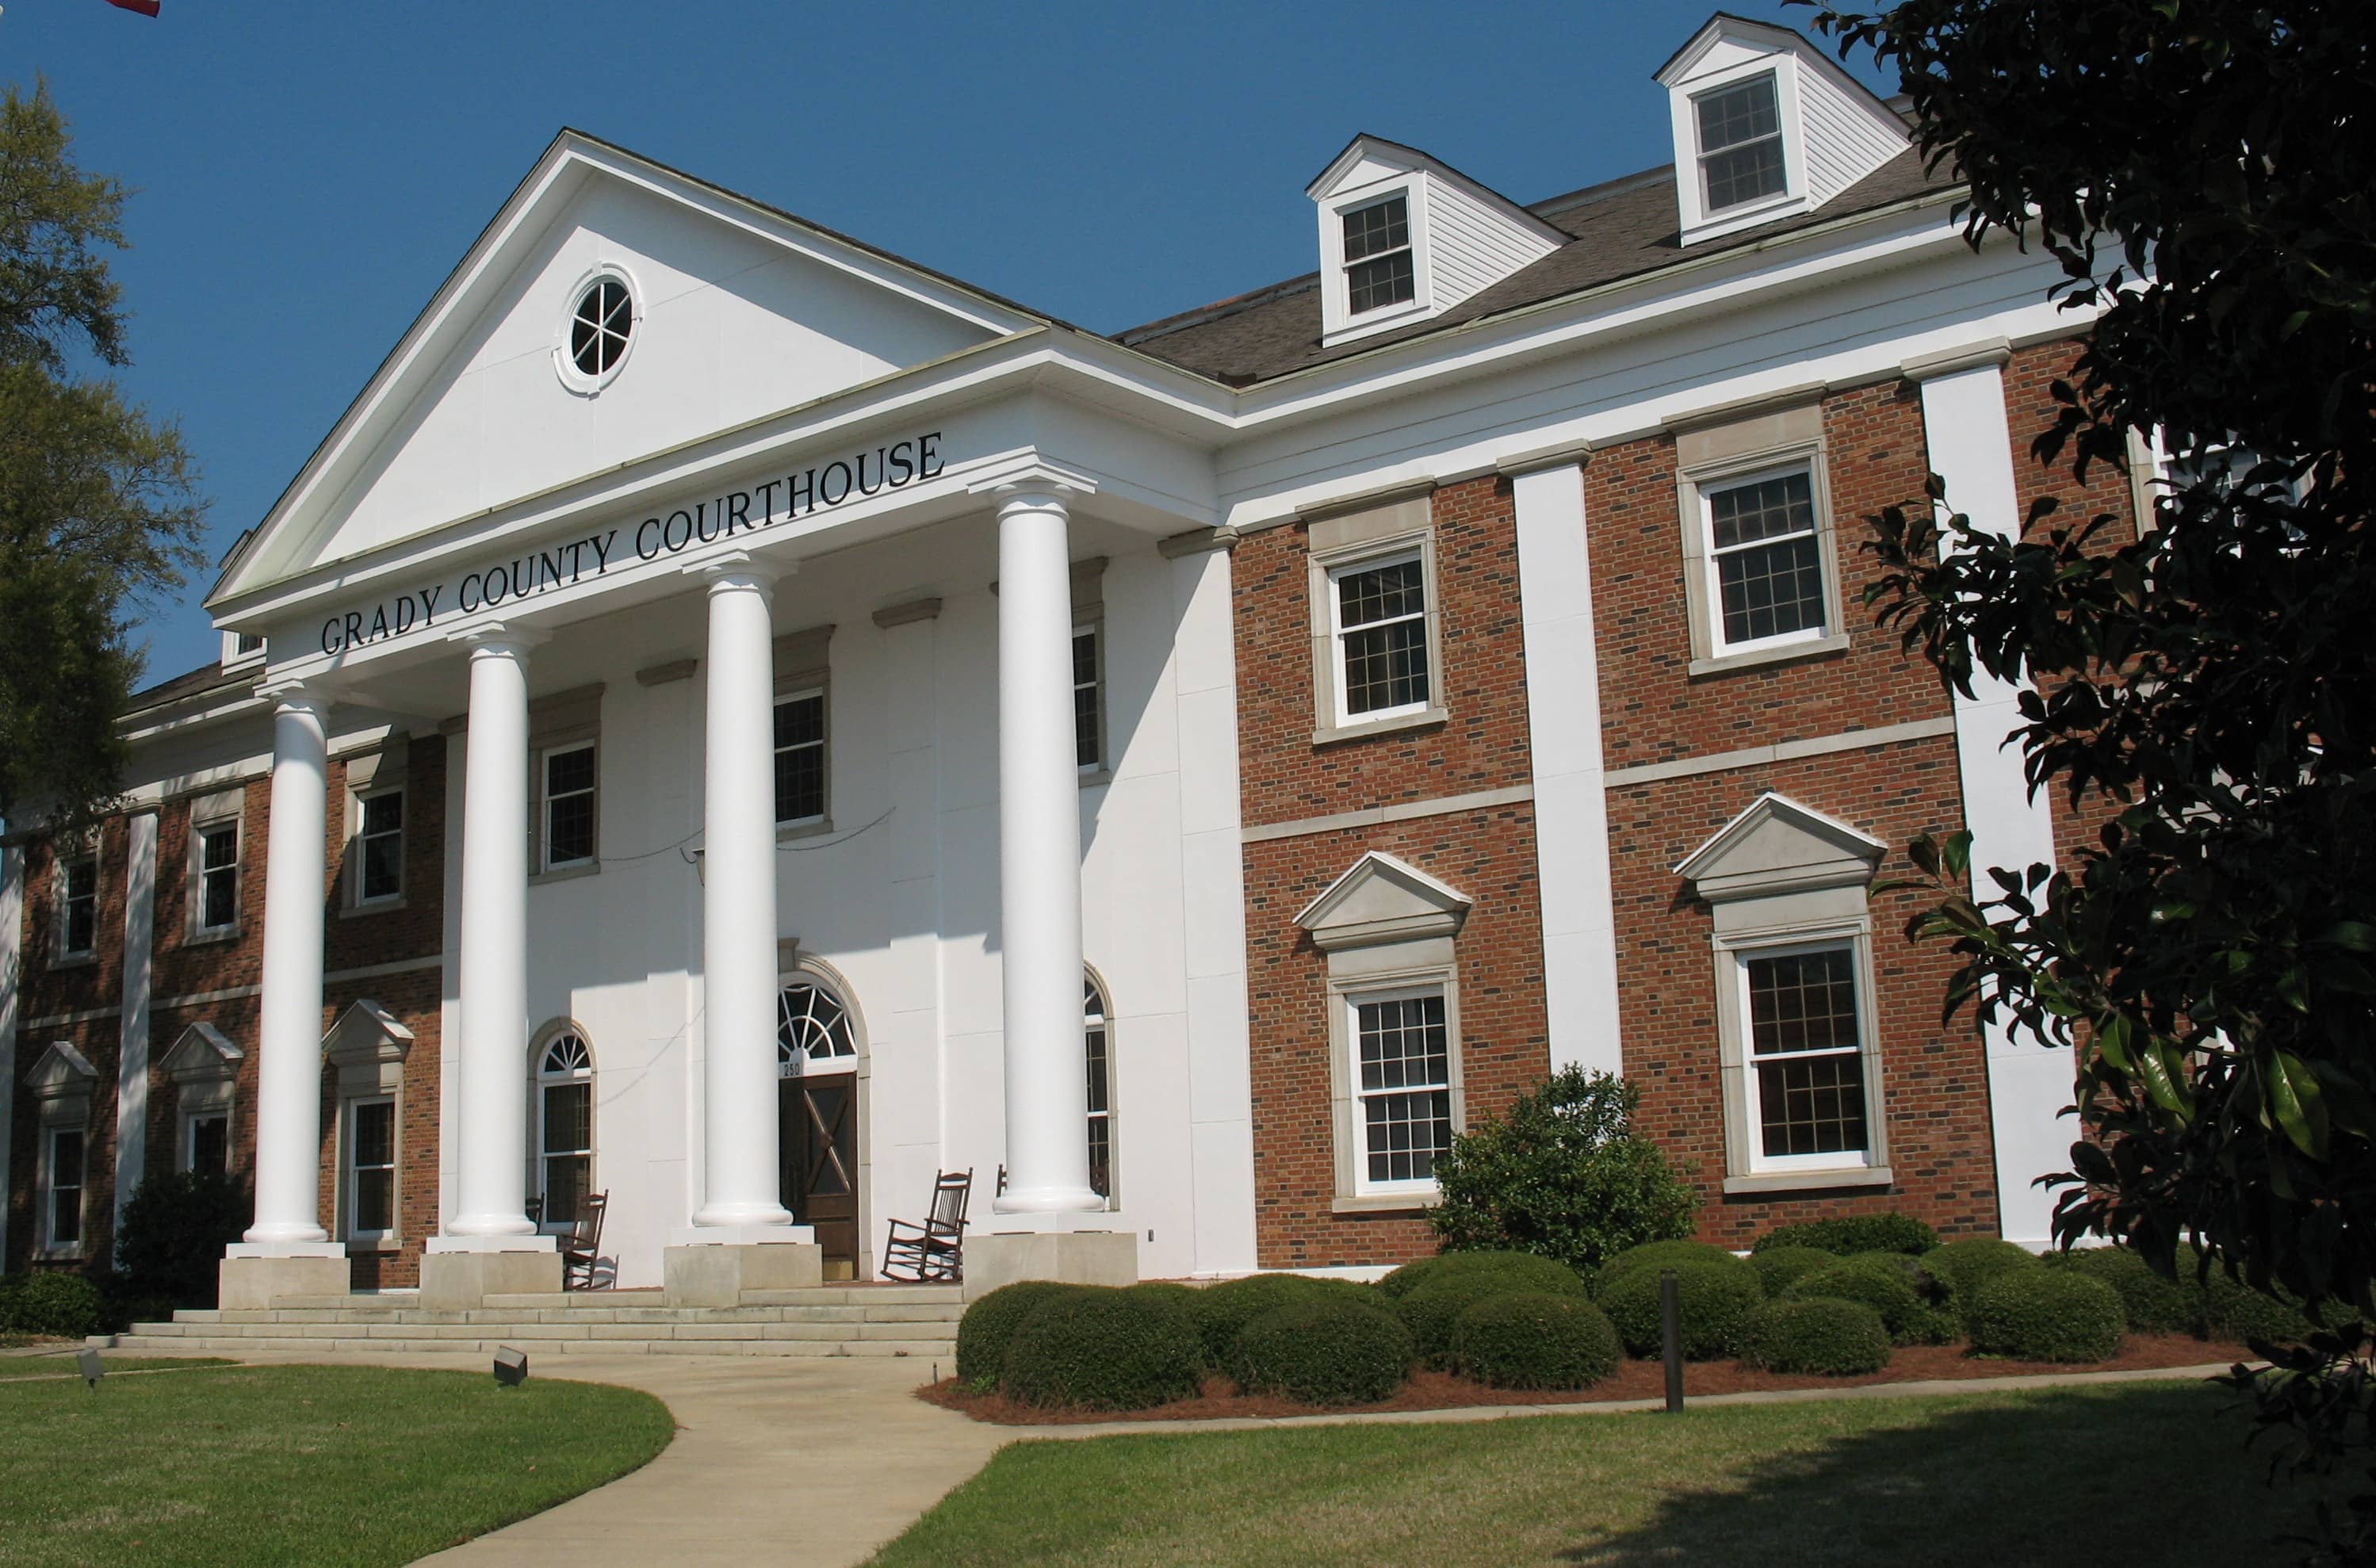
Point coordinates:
pixel 1490 855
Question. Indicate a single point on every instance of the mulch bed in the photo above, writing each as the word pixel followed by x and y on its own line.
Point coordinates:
pixel 1633 1379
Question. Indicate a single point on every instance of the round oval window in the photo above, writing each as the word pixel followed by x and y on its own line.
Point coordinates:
pixel 599 328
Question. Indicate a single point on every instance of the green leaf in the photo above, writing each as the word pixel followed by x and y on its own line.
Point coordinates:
pixel 2300 1107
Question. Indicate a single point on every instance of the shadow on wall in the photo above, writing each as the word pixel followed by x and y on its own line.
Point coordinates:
pixel 2071 1475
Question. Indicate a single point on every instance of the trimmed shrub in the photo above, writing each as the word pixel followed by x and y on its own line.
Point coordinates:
pixel 1975 1260
pixel 1533 1340
pixel 989 1325
pixel 64 1304
pixel 1103 1349
pixel 1431 1309
pixel 2149 1303
pixel 1220 1311
pixel 1411 1275
pixel 172 1236
pixel 2048 1314
pixel 1562 1175
pixel 1917 1304
pixel 1655 1256
pixel 1713 1301
pixel 1324 1349
pixel 1853 1234
pixel 1778 1268
pixel 2233 1310
pixel 1822 1334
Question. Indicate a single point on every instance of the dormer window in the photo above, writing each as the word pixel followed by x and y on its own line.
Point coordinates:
pixel 1378 263
pixel 1740 143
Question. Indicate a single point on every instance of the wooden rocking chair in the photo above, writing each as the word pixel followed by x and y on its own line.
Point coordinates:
pixel 581 1243
pixel 932 1253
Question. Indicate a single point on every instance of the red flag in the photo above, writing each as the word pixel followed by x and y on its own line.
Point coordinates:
pixel 146 8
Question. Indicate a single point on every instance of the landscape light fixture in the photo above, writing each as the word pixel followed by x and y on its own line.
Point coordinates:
pixel 88 1360
pixel 511 1366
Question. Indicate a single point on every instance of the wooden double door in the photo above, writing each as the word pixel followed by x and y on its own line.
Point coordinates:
pixel 816 1117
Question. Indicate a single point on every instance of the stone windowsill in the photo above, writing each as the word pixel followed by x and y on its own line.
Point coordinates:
pixel 1425 719
pixel 1810 1180
pixel 376 907
pixel 565 874
pixel 1759 658
pixel 788 831
pixel 1385 1203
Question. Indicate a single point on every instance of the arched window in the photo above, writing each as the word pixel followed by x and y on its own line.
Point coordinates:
pixel 811 1024
pixel 1093 1025
pixel 564 1115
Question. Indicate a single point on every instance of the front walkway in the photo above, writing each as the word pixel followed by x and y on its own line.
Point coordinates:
pixel 819 1463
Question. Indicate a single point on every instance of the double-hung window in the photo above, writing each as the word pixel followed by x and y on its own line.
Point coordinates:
pixel 800 758
pixel 371 1169
pixel 379 845
pixel 1740 143
pixel 218 868
pixel 1379 266
pixel 1088 701
pixel 1093 1029
pixel 1806 1055
pixel 205 1142
pixel 1765 559
pixel 1380 610
pixel 77 883
pixel 569 806
pixel 62 1213
pixel 1402 1082
pixel 566 1136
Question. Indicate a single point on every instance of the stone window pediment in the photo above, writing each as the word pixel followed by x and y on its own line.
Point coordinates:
pixel 366 1034
pixel 60 1074
pixel 1780 847
pixel 202 1055
pixel 1380 899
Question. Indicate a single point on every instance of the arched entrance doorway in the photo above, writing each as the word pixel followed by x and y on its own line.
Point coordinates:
pixel 816 1110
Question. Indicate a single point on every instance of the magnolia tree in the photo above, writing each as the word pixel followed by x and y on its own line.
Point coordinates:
pixel 2205 173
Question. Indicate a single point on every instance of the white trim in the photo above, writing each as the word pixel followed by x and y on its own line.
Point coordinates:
pixel 1394 811
pixel 61 901
pixel 132 1038
pixel 350 1173
pixel 541 1080
pixel 822 745
pixel 565 363
pixel 1705 487
pixel 1386 553
pixel 360 800
pixel 1740 1044
pixel 196 927
pixel 46 1243
pixel 12 978
pixel 545 863
pixel 1350 1000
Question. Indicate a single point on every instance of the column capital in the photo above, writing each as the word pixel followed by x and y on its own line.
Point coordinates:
pixel 500 640
pixel 296 697
pixel 1990 353
pixel 739 569
pixel 1029 479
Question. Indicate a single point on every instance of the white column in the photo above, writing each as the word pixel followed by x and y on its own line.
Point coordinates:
pixel 1039 865
pixel 132 1043
pixel 738 909
pixel 289 1076
pixel 1970 447
pixel 12 936
pixel 491 1179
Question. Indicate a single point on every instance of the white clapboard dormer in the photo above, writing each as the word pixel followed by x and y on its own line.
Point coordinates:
pixel 1404 238
pixel 1766 127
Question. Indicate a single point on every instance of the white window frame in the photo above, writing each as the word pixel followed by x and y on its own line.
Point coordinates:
pixel 353 1172
pixel 545 799
pixel 1711 559
pixel 47 1191
pixel 544 1080
pixel 63 900
pixel 199 874
pixel 1691 189
pixel 1350 1001
pixel 1336 271
pixel 1700 152
pixel 1094 685
pixel 362 898
pixel 186 1143
pixel 1852 942
pixel 1096 1016
pixel 822 745
pixel 235 657
pixel 1401 555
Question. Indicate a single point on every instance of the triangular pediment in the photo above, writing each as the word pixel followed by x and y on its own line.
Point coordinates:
pixel 1778 846
pixel 366 1032
pixel 61 1070
pixel 202 1051
pixel 1380 899
pixel 739 311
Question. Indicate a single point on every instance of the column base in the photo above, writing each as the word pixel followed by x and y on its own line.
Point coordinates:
pixel 461 1272
pixel 716 1273
pixel 1076 1257
pixel 255 1275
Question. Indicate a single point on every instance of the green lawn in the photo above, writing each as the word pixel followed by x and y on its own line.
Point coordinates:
pixel 256 1465
pixel 2136 1477
pixel 13 1367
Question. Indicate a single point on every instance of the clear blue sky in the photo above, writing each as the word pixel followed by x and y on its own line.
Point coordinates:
pixel 307 173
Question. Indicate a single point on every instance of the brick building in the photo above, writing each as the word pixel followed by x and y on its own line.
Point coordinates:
pixel 738 722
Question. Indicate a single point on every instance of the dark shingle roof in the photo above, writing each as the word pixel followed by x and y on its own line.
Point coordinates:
pixel 1624 229
pixel 205 678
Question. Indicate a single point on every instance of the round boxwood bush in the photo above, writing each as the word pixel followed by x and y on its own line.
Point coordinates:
pixel 1412 1274
pixel 1534 1339
pixel 1918 1305
pixel 1221 1310
pixel 2233 1310
pixel 1778 1268
pixel 1713 1300
pixel 2048 1314
pixel 1324 1349
pixel 1431 1309
pixel 988 1324
pixel 1854 1233
pixel 1975 1260
pixel 2149 1303
pixel 1656 1256
pixel 64 1304
pixel 1103 1349
pixel 1822 1334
